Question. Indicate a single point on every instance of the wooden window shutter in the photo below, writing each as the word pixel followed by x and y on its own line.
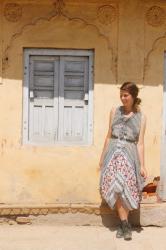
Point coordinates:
pixel 73 98
pixel 43 93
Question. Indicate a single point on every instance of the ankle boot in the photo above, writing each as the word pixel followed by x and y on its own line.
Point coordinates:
pixel 126 227
pixel 119 233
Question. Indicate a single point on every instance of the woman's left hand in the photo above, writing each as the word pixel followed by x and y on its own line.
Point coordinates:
pixel 143 172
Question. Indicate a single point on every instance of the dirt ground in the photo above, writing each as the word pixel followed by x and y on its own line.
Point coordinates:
pixel 60 237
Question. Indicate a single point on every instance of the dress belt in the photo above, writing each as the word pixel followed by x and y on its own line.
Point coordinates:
pixel 123 139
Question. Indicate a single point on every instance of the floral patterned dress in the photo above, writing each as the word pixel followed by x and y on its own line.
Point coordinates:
pixel 120 174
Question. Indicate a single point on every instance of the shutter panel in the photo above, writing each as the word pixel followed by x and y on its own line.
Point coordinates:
pixel 43 96
pixel 74 98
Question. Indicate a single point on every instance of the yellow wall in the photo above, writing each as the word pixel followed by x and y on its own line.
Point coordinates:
pixel 127 47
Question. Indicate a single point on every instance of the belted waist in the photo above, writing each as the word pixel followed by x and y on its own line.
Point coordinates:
pixel 123 139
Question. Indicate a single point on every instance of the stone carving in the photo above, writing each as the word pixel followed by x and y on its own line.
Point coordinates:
pixel 107 14
pixel 58 10
pixel 59 5
pixel 12 12
pixel 155 16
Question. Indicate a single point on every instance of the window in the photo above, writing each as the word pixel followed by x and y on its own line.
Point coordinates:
pixel 58 95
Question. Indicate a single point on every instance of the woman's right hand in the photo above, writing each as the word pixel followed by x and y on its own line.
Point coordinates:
pixel 143 172
pixel 100 166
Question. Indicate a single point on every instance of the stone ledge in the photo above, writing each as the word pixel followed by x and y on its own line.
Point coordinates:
pixel 148 214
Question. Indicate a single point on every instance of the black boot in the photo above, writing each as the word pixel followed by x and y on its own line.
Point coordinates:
pixel 119 233
pixel 126 227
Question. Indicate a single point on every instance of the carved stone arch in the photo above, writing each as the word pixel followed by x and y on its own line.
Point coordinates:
pixel 56 33
pixel 153 67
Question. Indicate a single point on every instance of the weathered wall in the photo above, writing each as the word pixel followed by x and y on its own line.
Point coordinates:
pixel 129 44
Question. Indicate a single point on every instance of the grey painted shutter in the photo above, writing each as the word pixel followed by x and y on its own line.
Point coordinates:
pixel 73 98
pixel 43 96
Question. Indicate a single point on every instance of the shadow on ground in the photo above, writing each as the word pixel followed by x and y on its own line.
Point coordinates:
pixel 111 220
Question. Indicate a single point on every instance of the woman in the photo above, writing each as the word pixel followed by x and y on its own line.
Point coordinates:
pixel 123 172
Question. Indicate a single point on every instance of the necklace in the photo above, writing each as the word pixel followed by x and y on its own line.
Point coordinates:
pixel 127 112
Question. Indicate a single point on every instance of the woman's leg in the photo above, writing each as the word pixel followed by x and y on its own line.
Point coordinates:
pixel 125 229
pixel 122 211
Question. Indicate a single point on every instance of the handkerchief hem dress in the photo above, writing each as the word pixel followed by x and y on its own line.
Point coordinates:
pixel 120 174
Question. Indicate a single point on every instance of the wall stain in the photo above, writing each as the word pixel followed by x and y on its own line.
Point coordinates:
pixel 3 145
pixel 33 174
pixel 155 140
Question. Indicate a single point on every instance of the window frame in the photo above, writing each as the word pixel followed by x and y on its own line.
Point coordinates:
pixel 27 52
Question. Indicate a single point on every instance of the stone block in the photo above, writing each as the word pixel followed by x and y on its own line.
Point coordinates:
pixel 3 220
pixel 63 210
pixel 5 211
pixel 15 211
pixel 25 211
pixel 44 211
pixel 23 220
pixel 153 215
pixel 11 222
pixel 35 211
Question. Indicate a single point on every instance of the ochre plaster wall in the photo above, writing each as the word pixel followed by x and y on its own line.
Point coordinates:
pixel 126 47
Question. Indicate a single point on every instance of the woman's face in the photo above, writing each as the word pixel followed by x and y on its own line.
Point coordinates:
pixel 126 98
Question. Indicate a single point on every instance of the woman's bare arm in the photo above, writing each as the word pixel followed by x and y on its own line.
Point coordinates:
pixel 108 137
pixel 140 146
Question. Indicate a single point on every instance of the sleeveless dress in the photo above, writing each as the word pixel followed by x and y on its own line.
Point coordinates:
pixel 120 173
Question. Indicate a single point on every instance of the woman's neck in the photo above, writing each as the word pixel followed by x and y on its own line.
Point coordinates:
pixel 127 110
